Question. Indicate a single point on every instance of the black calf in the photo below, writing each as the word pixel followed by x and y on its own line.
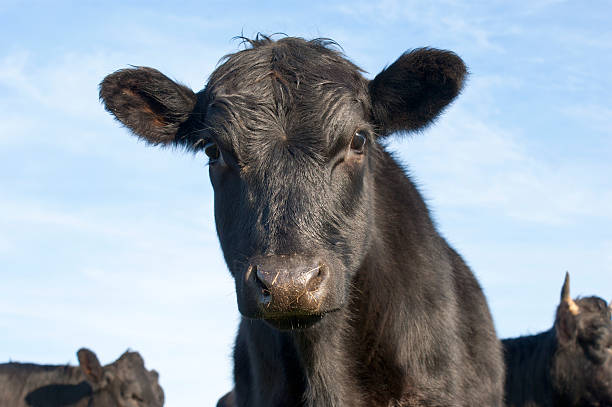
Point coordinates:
pixel 349 295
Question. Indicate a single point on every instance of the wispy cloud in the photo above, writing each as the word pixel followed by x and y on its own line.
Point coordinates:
pixel 596 117
pixel 474 164
pixel 430 20
pixel 67 84
pixel 537 6
pixel 113 281
pixel 14 77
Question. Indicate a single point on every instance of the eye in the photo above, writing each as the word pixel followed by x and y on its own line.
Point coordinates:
pixel 137 397
pixel 212 151
pixel 358 142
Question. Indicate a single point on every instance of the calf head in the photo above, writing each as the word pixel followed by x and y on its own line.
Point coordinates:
pixel 291 129
pixel 583 360
pixel 123 383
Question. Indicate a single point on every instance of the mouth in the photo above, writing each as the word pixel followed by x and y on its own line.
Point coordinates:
pixel 296 322
pixel 292 323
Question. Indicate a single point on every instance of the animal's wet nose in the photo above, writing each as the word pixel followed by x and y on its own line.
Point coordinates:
pixel 284 285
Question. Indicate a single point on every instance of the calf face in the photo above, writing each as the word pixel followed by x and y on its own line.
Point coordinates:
pixel 291 132
pixel 582 366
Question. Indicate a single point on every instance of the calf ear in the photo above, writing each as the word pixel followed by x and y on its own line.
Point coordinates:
pixel 149 103
pixel 411 92
pixel 90 365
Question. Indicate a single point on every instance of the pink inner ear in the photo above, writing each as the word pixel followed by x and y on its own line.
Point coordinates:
pixel 157 120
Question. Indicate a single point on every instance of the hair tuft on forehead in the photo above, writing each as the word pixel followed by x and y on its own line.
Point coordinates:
pixel 287 91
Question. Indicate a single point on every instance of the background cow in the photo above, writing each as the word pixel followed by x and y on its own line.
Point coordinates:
pixel 123 383
pixel 349 295
pixel 568 365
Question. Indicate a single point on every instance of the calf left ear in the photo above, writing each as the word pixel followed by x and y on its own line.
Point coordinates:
pixel 411 92
pixel 149 103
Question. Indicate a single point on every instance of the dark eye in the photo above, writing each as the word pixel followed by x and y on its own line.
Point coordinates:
pixel 358 142
pixel 137 397
pixel 212 151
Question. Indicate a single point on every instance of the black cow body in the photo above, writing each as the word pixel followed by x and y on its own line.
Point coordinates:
pixel 569 365
pixel 349 294
pixel 123 383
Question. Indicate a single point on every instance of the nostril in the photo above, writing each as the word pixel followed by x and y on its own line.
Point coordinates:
pixel 317 278
pixel 265 293
pixel 259 280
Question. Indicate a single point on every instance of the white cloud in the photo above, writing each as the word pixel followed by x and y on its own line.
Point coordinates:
pixel 452 20
pixel 66 84
pixel 537 6
pixel 156 284
pixel 472 163
pixel 13 75
pixel 5 244
pixel 16 130
pixel 597 117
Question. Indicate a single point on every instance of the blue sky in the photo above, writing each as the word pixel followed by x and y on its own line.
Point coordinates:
pixel 110 244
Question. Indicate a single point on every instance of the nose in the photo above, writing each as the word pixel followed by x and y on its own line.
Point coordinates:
pixel 284 286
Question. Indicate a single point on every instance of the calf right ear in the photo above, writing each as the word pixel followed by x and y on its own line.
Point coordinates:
pixel 411 92
pixel 150 104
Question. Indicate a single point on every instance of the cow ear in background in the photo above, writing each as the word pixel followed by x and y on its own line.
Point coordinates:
pixel 565 322
pixel 411 92
pixel 150 104
pixel 90 365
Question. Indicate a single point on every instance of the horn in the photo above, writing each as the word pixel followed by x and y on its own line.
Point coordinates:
pixel 565 295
